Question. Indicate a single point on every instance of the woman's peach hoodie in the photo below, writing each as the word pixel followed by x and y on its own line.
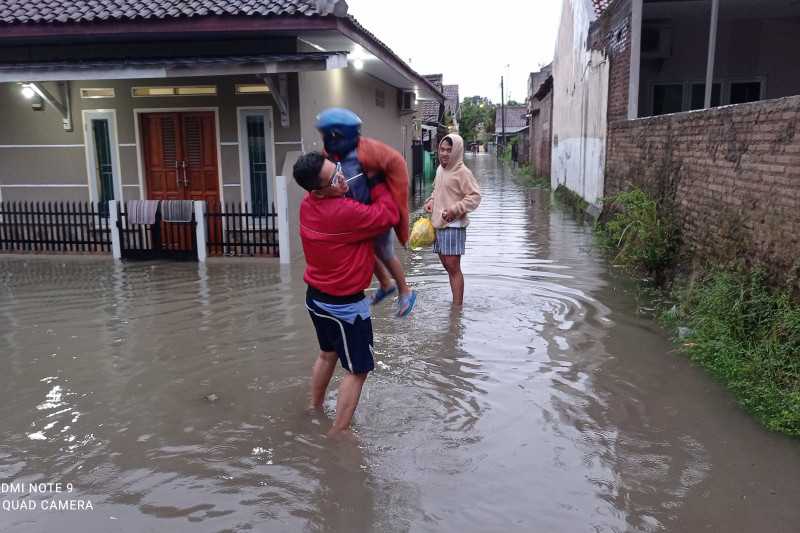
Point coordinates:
pixel 455 188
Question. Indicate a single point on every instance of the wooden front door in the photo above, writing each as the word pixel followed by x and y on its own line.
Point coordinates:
pixel 180 156
pixel 180 163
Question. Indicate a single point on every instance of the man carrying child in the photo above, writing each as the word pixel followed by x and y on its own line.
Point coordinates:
pixel 364 160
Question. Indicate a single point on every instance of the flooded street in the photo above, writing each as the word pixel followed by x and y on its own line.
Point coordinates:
pixel 171 396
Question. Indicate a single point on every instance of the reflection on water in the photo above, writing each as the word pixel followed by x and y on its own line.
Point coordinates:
pixel 172 396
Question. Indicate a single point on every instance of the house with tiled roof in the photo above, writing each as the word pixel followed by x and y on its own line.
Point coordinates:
pixel 431 111
pixel 185 99
pixel 430 115
pixel 540 113
pixel 452 105
pixel 516 121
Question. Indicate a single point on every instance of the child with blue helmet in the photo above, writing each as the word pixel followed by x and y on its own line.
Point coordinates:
pixel 364 162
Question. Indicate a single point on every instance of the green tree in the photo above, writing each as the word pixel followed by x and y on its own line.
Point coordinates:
pixel 476 110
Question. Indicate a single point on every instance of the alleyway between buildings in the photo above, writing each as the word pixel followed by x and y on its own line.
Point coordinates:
pixel 172 396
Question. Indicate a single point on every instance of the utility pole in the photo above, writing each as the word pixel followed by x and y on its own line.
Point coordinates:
pixel 503 112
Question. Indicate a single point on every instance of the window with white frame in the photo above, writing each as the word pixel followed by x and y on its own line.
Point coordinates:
pixel 187 90
pixel 97 92
pixel 257 158
pixel 100 130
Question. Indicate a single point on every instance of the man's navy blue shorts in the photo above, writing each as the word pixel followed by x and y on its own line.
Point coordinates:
pixel 351 342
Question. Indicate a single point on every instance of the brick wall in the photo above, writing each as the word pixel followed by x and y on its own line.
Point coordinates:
pixel 732 174
pixel 619 72
pixel 611 32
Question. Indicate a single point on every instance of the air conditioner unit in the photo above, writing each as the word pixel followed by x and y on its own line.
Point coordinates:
pixel 408 101
pixel 656 41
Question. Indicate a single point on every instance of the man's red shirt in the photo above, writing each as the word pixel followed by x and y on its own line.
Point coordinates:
pixel 338 234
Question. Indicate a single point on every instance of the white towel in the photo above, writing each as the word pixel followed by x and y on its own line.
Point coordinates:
pixel 177 210
pixel 142 211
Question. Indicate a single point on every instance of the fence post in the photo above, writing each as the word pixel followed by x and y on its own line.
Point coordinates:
pixel 200 228
pixel 113 222
pixel 282 202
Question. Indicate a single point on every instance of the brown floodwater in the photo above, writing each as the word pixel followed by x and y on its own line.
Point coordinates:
pixel 550 402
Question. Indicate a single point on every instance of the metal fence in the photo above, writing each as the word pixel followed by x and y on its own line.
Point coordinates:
pixel 238 231
pixel 160 240
pixel 85 227
pixel 54 227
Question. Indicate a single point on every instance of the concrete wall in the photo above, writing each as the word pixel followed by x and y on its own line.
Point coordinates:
pixel 36 151
pixel 580 96
pixel 354 90
pixel 732 173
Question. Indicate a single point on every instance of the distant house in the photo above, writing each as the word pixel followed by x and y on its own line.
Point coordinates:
pixel 515 125
pixel 540 112
pixel 430 115
pixel 185 100
pixel 452 105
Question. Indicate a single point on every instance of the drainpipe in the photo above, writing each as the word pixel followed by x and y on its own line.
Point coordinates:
pixel 712 49
pixel 636 59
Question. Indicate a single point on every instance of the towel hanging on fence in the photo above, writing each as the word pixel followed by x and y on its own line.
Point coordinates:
pixel 142 211
pixel 177 210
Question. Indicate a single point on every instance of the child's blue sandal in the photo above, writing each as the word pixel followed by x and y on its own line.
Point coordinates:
pixel 381 294
pixel 406 303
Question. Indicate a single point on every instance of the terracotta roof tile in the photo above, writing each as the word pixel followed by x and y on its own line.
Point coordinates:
pixel 601 5
pixel 32 11
pixel 515 116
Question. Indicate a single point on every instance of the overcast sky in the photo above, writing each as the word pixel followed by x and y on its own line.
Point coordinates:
pixel 471 42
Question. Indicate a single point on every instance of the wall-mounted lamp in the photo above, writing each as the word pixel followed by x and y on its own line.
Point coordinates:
pixel 358 55
pixel 27 92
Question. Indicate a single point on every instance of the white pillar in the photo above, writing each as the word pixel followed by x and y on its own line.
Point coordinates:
pixel 636 59
pixel 712 52
pixel 200 228
pixel 282 205
pixel 113 219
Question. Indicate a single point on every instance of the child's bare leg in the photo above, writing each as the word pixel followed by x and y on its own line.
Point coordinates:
pixel 382 274
pixel 396 269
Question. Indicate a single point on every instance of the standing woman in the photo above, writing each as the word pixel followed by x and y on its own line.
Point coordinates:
pixel 455 193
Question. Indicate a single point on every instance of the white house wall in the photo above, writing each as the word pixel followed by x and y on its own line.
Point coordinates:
pixel 580 102
pixel 356 91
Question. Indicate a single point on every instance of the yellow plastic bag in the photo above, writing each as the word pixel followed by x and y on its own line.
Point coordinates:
pixel 422 233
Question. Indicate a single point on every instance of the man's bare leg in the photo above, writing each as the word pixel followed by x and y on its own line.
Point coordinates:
pixel 321 376
pixel 349 394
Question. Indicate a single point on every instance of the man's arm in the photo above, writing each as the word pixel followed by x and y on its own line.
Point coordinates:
pixel 361 222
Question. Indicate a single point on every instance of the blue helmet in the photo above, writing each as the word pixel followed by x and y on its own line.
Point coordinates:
pixel 340 129
pixel 334 117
